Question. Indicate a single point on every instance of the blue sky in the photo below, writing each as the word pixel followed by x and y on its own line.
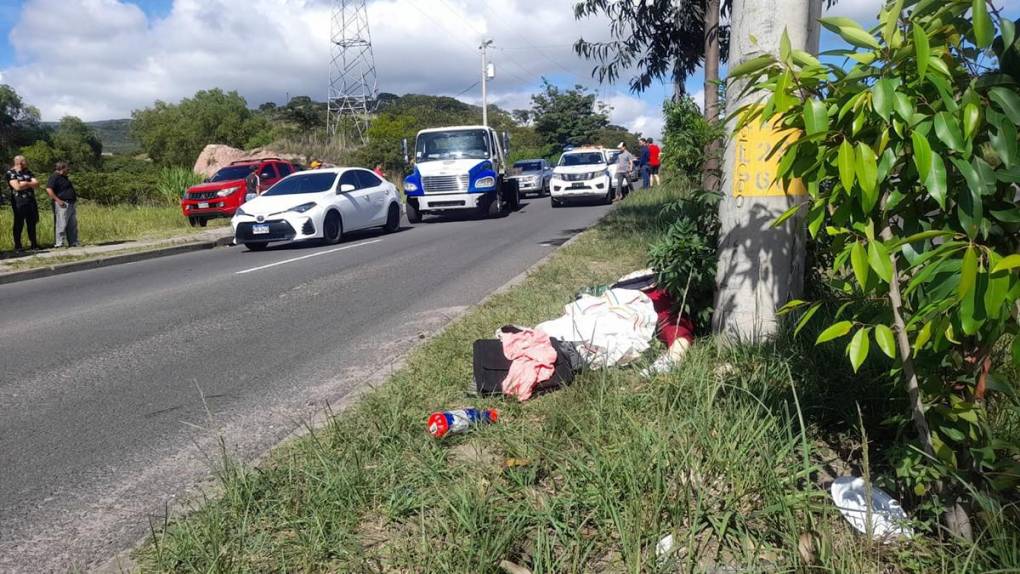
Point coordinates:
pixel 114 56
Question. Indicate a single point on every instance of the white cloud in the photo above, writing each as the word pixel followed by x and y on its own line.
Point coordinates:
pixel 860 10
pixel 111 59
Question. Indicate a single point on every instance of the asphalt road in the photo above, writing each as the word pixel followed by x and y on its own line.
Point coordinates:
pixel 117 383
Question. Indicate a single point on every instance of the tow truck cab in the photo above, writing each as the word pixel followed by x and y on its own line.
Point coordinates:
pixel 459 169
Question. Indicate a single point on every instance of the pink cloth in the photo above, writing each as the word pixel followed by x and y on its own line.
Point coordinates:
pixel 532 359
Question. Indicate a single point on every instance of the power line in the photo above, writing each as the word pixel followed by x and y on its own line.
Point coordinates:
pixel 468 89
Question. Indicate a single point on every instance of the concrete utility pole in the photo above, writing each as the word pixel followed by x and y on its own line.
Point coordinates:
pixel 760 268
pixel 485 82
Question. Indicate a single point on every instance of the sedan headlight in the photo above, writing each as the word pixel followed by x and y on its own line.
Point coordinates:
pixel 487 181
pixel 303 207
pixel 228 191
pixel 410 186
pixel 240 211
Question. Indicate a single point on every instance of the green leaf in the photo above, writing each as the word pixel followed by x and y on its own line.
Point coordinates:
pixel 922 154
pixel 859 37
pixel 1015 350
pixel 885 164
pixel 882 98
pixel 816 118
pixel 858 348
pixel 972 312
pixel 751 66
pixel 1011 215
pixel 804 59
pixel 923 336
pixel 968 272
pixel 886 340
pixel 935 183
pixel 806 318
pixel 996 295
pixel 834 23
pixel 891 18
pixel 1004 141
pixel 846 165
pixel 922 51
pixel 948 130
pixel 784 47
pixel 904 108
pixel 984 30
pixel 1008 100
pixel 859 261
pixel 1008 29
pixel 878 258
pixel 1007 264
pixel 936 63
pixel 971 120
pixel 867 176
pixel 795 304
pixel 834 331
pixel 969 209
pixel 787 215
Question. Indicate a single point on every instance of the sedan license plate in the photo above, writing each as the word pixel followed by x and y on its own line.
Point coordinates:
pixel 203 205
pixel 259 229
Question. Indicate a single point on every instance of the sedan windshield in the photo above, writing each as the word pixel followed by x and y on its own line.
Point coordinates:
pixel 461 144
pixel 528 166
pixel 311 182
pixel 231 173
pixel 587 158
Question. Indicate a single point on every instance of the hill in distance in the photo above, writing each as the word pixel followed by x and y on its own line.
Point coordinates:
pixel 115 135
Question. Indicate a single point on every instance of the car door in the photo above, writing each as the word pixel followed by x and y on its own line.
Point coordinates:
pixel 357 207
pixel 375 188
pixel 268 177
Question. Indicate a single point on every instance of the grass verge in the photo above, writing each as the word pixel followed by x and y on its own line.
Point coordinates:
pixel 724 454
pixel 98 224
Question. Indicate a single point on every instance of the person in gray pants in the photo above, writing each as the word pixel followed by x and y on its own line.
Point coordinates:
pixel 65 215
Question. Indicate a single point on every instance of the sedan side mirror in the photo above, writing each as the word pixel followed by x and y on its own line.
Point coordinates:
pixel 346 188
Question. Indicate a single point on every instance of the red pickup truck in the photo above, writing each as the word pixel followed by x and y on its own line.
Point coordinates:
pixel 223 193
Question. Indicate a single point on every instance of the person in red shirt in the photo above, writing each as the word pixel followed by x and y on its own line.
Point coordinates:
pixel 654 160
pixel 379 171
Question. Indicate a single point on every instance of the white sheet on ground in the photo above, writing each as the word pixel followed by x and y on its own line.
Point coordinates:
pixel 612 329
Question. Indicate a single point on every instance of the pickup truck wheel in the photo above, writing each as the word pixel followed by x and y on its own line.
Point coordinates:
pixel 608 199
pixel 202 221
pixel 555 202
pixel 393 219
pixel 257 246
pixel 413 215
pixel 332 229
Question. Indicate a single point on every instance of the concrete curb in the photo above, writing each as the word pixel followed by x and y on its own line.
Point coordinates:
pixel 60 269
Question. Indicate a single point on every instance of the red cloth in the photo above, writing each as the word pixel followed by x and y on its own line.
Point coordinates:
pixel 653 155
pixel 670 326
pixel 532 361
pixel 378 171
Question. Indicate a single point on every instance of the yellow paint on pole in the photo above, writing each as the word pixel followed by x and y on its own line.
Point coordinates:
pixel 754 173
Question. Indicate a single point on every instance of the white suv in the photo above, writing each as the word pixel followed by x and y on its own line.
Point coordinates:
pixel 582 174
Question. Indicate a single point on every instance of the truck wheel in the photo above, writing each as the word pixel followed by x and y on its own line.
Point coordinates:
pixel 413 215
pixel 555 202
pixel 256 246
pixel 193 221
pixel 608 200
pixel 496 207
pixel 203 221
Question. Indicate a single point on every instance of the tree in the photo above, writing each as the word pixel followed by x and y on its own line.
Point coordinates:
pixel 567 117
pixel 911 160
pixel 19 123
pixel 77 143
pixel 174 134
pixel 685 137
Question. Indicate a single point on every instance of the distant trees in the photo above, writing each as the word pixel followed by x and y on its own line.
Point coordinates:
pixel 174 134
pixel 19 123
pixel 567 117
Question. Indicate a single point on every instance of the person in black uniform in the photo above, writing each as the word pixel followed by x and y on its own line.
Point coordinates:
pixel 22 184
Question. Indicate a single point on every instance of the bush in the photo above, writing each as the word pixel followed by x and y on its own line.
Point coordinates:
pixel 684 138
pixel 685 257
pixel 172 182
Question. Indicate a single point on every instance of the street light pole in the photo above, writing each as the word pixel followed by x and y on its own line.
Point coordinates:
pixel 485 81
pixel 760 268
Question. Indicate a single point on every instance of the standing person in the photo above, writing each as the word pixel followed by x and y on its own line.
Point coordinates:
pixel 643 164
pixel 654 160
pixel 624 165
pixel 252 182
pixel 65 214
pixel 23 184
pixel 379 171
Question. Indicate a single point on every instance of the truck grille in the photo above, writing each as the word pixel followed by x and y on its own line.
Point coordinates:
pixel 202 195
pixel 445 184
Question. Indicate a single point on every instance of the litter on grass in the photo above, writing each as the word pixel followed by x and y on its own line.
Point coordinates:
pixel 450 422
pixel 888 520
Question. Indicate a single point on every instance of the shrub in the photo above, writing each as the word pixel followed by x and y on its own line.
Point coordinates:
pixel 172 182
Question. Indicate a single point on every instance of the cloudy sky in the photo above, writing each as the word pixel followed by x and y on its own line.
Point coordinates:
pixel 100 59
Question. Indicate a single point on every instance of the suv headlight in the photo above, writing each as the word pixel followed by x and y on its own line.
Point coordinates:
pixel 303 207
pixel 487 181
pixel 228 191
pixel 410 186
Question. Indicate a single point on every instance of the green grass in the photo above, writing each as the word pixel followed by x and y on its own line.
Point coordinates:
pixel 98 224
pixel 715 453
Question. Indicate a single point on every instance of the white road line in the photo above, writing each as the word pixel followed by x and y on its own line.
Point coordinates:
pixel 309 256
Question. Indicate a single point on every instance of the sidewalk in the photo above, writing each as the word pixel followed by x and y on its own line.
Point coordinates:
pixel 31 265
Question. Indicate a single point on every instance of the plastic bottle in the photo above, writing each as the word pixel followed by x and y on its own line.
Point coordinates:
pixel 460 420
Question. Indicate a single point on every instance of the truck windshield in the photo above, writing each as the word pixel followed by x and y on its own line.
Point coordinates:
pixel 460 144
pixel 232 173
pixel 586 158
pixel 528 166
pixel 311 182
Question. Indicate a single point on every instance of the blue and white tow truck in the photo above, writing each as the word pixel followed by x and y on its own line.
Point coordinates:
pixel 459 169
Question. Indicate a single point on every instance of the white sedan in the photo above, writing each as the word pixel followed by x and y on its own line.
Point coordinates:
pixel 321 204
